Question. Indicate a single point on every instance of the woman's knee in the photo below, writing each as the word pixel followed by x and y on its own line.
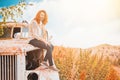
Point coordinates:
pixel 50 47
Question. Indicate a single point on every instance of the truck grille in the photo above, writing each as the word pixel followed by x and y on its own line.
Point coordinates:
pixel 8 67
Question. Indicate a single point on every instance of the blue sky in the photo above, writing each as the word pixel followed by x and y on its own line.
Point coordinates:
pixel 85 24
pixel 6 3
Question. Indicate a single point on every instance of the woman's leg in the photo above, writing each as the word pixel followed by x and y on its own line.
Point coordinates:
pixel 49 48
pixel 48 55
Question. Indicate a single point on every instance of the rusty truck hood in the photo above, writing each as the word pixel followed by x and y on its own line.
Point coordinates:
pixel 15 46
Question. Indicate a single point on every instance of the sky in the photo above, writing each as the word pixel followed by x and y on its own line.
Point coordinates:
pixel 6 3
pixel 77 23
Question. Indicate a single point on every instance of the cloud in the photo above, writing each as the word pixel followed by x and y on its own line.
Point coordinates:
pixel 79 23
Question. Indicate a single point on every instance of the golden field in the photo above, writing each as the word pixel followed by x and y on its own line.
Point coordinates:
pixel 81 64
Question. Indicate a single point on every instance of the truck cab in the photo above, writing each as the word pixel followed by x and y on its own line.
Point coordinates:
pixel 16 53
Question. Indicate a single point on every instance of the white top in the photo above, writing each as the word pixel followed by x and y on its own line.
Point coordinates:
pixel 36 30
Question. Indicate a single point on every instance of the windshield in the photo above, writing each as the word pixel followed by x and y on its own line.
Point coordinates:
pixel 13 32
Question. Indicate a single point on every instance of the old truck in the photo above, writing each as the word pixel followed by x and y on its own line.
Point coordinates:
pixel 14 54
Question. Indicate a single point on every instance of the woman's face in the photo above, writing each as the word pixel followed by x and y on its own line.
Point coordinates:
pixel 42 16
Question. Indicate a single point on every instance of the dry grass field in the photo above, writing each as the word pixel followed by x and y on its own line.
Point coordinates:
pixel 81 64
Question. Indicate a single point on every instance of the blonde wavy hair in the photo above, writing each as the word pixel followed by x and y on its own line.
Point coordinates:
pixel 37 17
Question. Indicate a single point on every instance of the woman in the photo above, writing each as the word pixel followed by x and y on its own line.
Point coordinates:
pixel 38 36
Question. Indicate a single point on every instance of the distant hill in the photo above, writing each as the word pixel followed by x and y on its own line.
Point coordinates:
pixel 106 50
pixel 103 50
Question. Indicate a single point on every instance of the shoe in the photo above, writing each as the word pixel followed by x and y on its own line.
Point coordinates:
pixel 53 68
pixel 44 63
